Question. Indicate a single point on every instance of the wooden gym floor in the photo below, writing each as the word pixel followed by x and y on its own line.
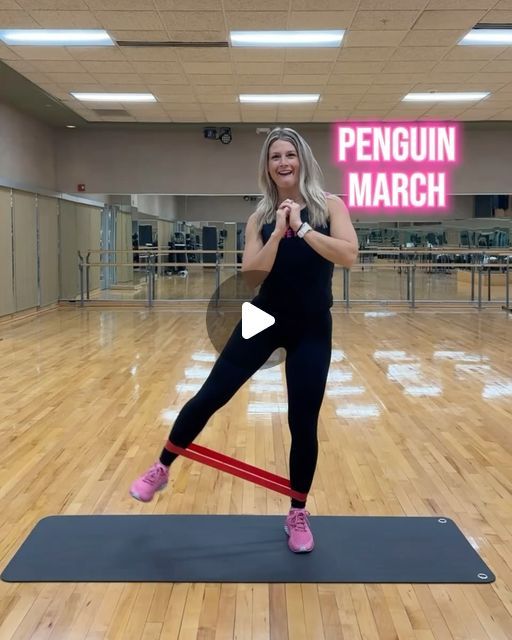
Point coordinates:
pixel 416 420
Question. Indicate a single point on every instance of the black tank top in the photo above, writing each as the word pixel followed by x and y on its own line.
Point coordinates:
pixel 300 278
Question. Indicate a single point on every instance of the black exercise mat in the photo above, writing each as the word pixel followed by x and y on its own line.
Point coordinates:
pixel 213 548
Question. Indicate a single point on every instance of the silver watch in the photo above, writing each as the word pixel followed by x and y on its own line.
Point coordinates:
pixel 304 229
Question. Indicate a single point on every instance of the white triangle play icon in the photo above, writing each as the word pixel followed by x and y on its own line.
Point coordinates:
pixel 254 320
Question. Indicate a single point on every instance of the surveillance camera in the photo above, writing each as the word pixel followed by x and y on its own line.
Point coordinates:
pixel 210 133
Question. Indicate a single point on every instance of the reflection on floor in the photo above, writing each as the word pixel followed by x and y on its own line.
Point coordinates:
pixel 415 421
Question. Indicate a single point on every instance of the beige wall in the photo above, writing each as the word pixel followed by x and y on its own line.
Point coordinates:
pixel 6 280
pixel 183 162
pixel 27 152
pixel 48 213
pixel 25 250
pixel 124 247
pixel 29 274
pixel 79 230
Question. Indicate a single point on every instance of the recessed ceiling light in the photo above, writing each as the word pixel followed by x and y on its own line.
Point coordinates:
pixel 70 126
pixel 487 37
pixel 440 96
pixel 114 97
pixel 55 37
pixel 286 38
pixel 284 97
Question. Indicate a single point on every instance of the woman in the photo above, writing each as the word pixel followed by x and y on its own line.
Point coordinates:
pixel 293 239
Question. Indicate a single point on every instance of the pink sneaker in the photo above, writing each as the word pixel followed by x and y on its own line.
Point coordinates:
pixel 300 538
pixel 155 479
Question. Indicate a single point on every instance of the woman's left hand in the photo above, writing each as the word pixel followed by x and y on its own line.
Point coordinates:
pixel 295 221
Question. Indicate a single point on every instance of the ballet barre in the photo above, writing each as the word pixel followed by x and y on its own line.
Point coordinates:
pixel 237 468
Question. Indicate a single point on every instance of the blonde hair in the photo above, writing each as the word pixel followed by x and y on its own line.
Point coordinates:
pixel 310 181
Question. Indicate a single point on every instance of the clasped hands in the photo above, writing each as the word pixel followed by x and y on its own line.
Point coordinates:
pixel 288 216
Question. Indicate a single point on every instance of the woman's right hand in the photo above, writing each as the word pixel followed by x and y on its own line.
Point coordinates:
pixel 282 220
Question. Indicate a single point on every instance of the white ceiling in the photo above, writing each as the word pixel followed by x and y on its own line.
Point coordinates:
pixel 391 47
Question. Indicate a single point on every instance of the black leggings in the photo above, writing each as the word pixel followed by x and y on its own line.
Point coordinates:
pixel 307 339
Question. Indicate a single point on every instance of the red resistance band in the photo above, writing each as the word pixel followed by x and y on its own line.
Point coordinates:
pixel 237 468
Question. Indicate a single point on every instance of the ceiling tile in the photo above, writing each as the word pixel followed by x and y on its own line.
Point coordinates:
pixel 143 67
pixel 22 66
pixel 458 66
pixel 373 38
pixel 363 54
pixel 198 36
pixel 137 36
pixel 107 67
pixel 290 80
pixel 425 37
pixel 9 5
pixel 214 68
pixel 204 55
pixel 320 68
pixel 254 20
pixel 320 19
pixel 324 5
pixel 17 20
pixel 112 54
pixel 202 90
pixel 383 20
pixel 166 92
pixel 258 84
pixel 499 17
pixel 65 19
pixel 120 5
pixel 392 5
pixel 212 79
pixel 444 5
pixel 68 87
pixel 261 5
pixel 335 102
pixel 6 53
pixel 157 54
pixel 407 54
pixel 59 66
pixel 496 66
pixel 418 66
pixel 308 54
pixel 84 78
pixel 116 78
pixel 359 67
pixel 53 5
pixel 166 78
pixel 448 20
pixel 43 53
pixel 351 79
pixel 188 5
pixel 475 53
pixel 239 54
pixel 400 88
pixel 145 21
pixel 258 68
pixel 193 20
pixel 168 100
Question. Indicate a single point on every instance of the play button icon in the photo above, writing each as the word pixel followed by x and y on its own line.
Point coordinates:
pixel 235 313
pixel 254 320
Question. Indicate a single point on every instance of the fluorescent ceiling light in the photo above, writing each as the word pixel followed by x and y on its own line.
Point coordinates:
pixel 286 38
pixel 114 97
pixel 53 37
pixel 284 97
pixel 487 37
pixel 438 96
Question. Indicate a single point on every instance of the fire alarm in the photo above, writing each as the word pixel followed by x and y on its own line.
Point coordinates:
pixel 81 187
